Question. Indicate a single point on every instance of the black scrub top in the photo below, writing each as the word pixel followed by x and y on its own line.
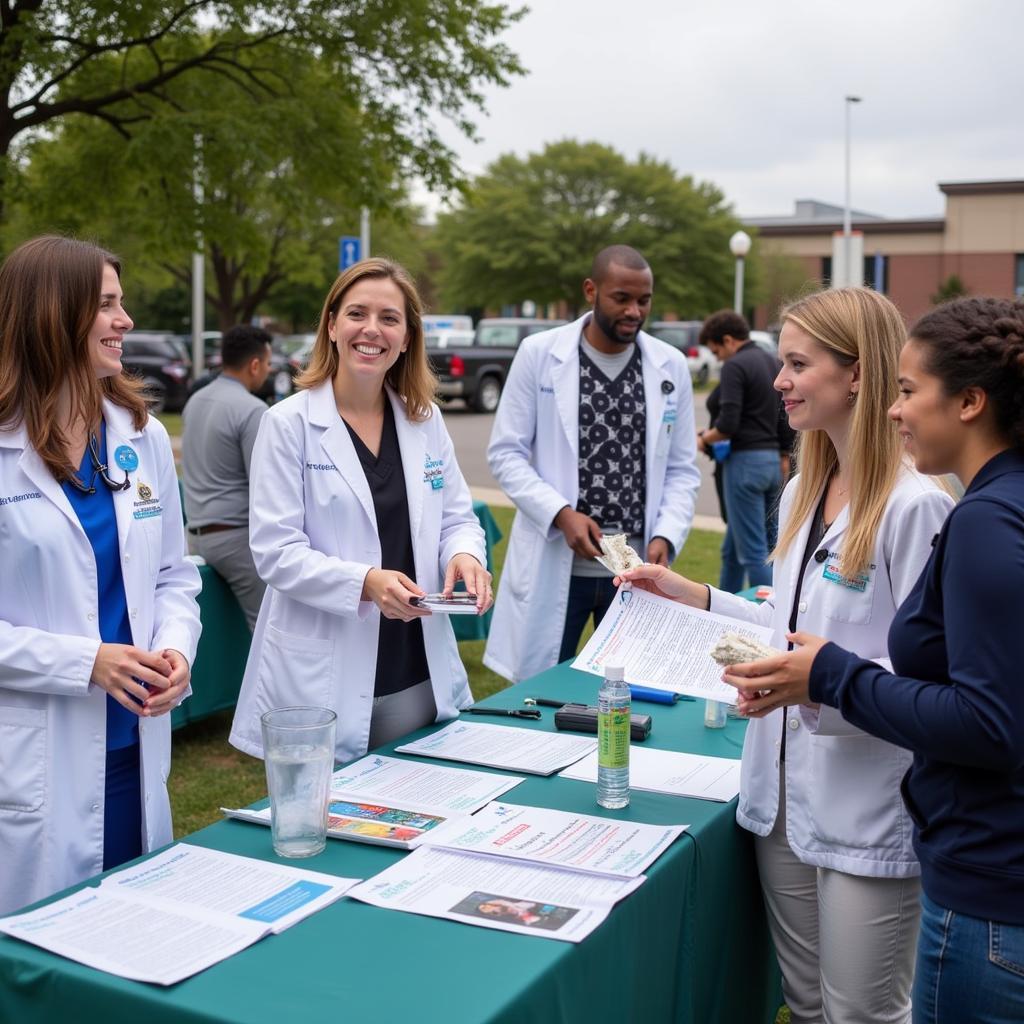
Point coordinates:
pixel 401 657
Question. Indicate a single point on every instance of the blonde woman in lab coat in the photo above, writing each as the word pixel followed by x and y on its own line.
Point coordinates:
pixel 822 797
pixel 358 507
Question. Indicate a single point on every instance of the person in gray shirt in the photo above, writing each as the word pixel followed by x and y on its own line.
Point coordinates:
pixel 219 427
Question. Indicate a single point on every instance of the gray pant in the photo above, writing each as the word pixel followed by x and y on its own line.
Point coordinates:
pixel 845 943
pixel 228 552
pixel 395 714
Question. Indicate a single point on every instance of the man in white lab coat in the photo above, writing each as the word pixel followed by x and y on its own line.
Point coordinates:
pixel 594 435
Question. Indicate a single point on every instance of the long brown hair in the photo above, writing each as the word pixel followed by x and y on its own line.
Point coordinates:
pixel 853 324
pixel 49 299
pixel 411 375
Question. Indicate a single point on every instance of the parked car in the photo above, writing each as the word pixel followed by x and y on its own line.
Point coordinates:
pixel 162 363
pixel 279 383
pixel 683 335
pixel 476 370
pixel 447 338
pixel 764 340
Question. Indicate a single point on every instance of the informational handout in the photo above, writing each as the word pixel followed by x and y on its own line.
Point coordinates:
pixel 667 771
pixel 502 746
pixel 663 644
pixel 512 896
pixel 390 801
pixel 177 913
pixel 606 846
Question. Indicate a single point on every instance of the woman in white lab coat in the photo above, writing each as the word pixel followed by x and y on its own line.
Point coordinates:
pixel 833 838
pixel 358 507
pixel 98 618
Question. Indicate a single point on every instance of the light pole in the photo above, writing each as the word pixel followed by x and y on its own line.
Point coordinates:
pixel 848 274
pixel 739 244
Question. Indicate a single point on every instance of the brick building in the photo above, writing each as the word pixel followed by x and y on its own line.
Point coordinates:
pixel 980 241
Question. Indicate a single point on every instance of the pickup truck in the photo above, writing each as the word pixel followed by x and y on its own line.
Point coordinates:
pixel 476 371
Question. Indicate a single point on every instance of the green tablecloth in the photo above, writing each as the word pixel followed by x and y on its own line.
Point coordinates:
pixel 224 645
pixel 690 945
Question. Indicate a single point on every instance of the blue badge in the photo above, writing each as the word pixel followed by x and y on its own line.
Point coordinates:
pixel 126 458
pixel 858 582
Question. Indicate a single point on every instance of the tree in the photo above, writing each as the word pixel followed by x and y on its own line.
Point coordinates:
pixel 278 184
pixel 529 228
pixel 401 66
pixel 951 288
pixel 781 277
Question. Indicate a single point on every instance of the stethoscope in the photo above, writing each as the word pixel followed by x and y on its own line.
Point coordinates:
pixel 100 468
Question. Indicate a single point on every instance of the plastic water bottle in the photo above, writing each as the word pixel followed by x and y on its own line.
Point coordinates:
pixel 715 714
pixel 613 709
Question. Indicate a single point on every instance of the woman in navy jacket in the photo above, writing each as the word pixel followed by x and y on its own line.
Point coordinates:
pixel 957 647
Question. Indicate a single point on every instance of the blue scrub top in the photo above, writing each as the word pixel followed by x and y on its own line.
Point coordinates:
pixel 96 514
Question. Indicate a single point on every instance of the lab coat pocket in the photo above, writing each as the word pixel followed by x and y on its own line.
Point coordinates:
pixel 23 758
pixel 847 599
pixel 854 796
pixel 294 670
pixel 521 567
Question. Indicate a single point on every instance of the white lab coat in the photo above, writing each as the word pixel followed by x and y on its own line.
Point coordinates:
pixel 534 455
pixel 52 718
pixel 843 805
pixel 314 538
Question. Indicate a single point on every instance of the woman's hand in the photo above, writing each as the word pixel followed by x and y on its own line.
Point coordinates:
pixel 177 683
pixel 477 579
pixel 391 591
pixel 775 682
pixel 121 670
pixel 661 580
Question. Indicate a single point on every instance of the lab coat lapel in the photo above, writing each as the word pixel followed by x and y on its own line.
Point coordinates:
pixel 337 445
pixel 39 473
pixel 565 379
pixel 412 443
pixel 654 399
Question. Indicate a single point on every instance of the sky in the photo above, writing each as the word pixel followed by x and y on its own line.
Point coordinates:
pixel 749 94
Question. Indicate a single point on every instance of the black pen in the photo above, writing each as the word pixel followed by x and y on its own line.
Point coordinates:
pixel 504 712
pixel 544 702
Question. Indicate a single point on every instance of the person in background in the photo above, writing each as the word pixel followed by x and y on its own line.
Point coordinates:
pixel 747 415
pixel 954 695
pixel 98 617
pixel 594 434
pixel 219 427
pixel 358 508
pixel 822 796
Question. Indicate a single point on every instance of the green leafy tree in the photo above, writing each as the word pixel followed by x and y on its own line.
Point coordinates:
pixel 402 65
pixel 780 277
pixel 279 180
pixel 952 287
pixel 529 228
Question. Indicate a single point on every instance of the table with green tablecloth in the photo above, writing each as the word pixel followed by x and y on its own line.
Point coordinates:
pixel 690 945
pixel 224 645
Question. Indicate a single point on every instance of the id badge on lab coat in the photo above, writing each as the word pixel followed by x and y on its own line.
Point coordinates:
pixel 665 429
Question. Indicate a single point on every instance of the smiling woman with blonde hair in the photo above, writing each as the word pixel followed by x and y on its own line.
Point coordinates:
pixel 838 871
pixel 358 509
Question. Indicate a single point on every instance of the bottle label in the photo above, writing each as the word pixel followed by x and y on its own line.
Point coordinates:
pixel 613 738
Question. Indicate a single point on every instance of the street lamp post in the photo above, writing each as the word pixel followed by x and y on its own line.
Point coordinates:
pixel 739 245
pixel 850 279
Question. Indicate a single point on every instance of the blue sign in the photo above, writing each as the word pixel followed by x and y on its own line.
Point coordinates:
pixel 349 251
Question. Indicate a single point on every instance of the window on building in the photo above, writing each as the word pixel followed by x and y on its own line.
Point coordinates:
pixel 876 272
pixel 826 271
pixel 1018 287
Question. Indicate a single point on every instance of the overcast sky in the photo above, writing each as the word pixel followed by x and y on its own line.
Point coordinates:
pixel 749 94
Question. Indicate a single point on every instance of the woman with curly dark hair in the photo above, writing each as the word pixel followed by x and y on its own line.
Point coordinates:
pixel 956 695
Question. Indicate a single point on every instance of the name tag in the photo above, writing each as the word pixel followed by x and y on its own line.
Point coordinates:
pixel 858 582
pixel 433 473
pixel 148 504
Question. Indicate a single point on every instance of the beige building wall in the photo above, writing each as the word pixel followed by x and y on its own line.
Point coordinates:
pixel 985 223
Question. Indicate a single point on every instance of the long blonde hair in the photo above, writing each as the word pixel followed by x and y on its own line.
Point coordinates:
pixel 854 324
pixel 411 376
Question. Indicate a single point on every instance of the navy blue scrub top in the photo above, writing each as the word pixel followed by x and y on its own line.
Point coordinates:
pixel 96 514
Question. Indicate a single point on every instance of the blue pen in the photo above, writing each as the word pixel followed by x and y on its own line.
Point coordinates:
pixel 654 696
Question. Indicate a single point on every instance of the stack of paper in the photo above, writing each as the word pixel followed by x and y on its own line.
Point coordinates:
pixel 671 772
pixel 393 802
pixel 177 913
pixel 664 644
pixel 550 874
pixel 502 746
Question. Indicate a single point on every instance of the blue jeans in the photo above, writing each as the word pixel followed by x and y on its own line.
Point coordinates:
pixel 751 490
pixel 587 594
pixel 967 969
